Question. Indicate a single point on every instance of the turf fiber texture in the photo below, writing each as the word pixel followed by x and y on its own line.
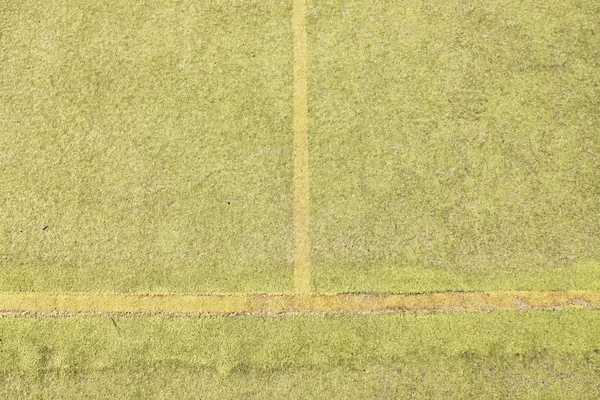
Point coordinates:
pixel 147 147
pixel 455 145
pixel 512 355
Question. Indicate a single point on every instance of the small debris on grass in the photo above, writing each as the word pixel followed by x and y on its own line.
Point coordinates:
pixel 115 324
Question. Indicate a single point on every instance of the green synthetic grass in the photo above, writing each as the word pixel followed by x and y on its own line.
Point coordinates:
pixel 145 146
pixel 149 148
pixel 454 145
pixel 549 355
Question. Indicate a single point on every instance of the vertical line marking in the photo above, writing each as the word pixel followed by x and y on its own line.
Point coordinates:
pixel 301 199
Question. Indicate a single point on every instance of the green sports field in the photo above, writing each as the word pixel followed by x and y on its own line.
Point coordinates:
pixel 148 147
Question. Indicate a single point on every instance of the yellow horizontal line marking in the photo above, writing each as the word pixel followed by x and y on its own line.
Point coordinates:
pixel 286 304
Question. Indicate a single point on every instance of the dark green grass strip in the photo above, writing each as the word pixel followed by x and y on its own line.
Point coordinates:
pixel 481 355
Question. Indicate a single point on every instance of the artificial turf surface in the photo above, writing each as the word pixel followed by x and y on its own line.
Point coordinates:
pixel 511 355
pixel 145 146
pixel 454 145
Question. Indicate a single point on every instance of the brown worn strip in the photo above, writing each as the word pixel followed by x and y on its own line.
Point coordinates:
pixel 285 304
